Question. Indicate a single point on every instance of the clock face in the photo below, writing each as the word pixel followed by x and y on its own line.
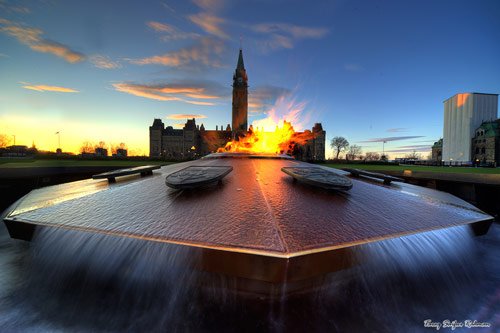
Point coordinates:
pixel 240 79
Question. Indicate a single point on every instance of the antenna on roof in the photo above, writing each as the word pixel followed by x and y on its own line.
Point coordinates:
pixel 241 42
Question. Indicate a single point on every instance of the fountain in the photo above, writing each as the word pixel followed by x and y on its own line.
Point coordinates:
pixel 270 234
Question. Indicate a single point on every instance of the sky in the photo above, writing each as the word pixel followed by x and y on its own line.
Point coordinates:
pixel 369 71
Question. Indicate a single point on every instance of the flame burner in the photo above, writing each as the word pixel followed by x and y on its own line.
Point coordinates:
pixel 283 140
pixel 256 224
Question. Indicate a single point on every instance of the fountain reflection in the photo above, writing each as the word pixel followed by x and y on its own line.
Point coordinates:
pixel 80 281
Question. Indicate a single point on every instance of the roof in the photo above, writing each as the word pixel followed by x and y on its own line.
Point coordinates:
pixel 240 64
pixel 438 144
pixel 491 128
pixel 471 93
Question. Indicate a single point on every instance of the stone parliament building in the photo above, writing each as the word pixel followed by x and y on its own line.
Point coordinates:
pixel 194 140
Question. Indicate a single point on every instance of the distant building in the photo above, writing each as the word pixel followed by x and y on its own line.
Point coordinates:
pixel 486 144
pixel 18 151
pixel 101 152
pixel 437 151
pixel 463 114
pixel 188 142
pixel 194 140
pixel 120 152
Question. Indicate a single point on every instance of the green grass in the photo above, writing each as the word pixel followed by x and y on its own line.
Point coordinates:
pixel 32 163
pixel 416 168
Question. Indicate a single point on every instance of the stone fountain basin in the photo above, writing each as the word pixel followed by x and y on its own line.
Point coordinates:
pixel 256 224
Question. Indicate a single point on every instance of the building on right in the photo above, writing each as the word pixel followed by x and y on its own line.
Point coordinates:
pixel 486 144
pixel 463 114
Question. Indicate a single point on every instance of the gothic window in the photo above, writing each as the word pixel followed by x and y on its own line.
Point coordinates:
pixel 477 150
pixel 483 150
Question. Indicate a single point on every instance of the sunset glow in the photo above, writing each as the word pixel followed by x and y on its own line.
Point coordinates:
pixel 103 71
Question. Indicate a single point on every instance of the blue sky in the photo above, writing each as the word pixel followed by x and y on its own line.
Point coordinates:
pixel 366 70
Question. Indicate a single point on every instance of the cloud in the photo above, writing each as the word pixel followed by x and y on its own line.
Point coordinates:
pixel 43 88
pixel 206 51
pixel 14 9
pixel 209 5
pixel 294 31
pixel 209 23
pixel 415 146
pixel 104 62
pixel 59 50
pixel 160 27
pixel 410 149
pixel 262 98
pixel 397 130
pixel 32 37
pixel 275 42
pixel 284 35
pixel 191 94
pixel 169 32
pixel 392 138
pixel 181 116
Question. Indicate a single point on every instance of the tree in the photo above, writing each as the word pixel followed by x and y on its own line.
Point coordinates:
pixel 4 140
pixel 87 147
pixel 372 156
pixel 413 155
pixel 339 144
pixel 353 152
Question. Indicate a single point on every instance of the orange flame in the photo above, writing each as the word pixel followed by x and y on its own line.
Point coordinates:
pixel 283 140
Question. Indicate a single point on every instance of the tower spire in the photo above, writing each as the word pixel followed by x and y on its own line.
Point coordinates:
pixel 240 97
pixel 240 65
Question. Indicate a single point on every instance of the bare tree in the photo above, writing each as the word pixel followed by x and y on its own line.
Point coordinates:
pixel 114 148
pixel 4 140
pixel 353 152
pixel 339 144
pixel 372 156
pixel 87 147
pixel 101 144
pixel 413 155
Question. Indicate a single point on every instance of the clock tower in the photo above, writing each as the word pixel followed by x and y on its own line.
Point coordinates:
pixel 240 98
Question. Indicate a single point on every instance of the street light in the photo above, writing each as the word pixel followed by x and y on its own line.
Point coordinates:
pixel 58 133
pixel 383 150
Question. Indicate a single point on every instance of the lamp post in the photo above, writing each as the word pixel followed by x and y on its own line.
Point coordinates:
pixel 14 136
pixel 58 133
pixel 58 150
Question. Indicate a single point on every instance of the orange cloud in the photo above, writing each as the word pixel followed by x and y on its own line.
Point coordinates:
pixel 206 52
pixel 209 4
pixel 143 91
pixel 172 92
pixel 32 37
pixel 43 88
pixel 169 32
pixel 181 116
pixel 104 62
pixel 160 27
pixel 209 23
pixel 200 103
pixel 59 50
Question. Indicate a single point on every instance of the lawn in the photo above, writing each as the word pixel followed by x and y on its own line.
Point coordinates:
pixel 32 163
pixel 416 168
